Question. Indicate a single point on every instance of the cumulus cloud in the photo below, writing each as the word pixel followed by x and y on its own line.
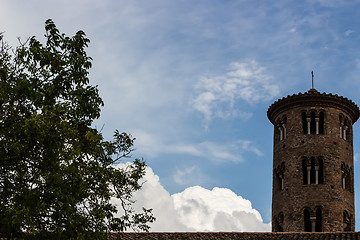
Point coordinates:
pixel 153 195
pixel 218 209
pixel 196 208
pixel 153 145
pixel 245 82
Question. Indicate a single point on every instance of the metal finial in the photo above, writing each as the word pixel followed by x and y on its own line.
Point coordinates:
pixel 312 79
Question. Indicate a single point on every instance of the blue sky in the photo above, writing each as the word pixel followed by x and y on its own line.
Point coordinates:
pixel 192 81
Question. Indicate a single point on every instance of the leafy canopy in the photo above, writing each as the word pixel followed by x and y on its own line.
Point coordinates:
pixel 57 173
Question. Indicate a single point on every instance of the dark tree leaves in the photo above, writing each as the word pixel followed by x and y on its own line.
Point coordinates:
pixel 57 173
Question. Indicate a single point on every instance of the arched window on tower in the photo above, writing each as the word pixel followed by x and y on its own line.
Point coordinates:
pixel 318 222
pixel 305 171
pixel 346 180
pixel 343 175
pixel 276 224
pixel 304 122
pixel 312 171
pixel 344 127
pixel 321 123
pixel 281 222
pixel 312 123
pixel 321 170
pixel 307 221
pixel 279 174
pixel 349 180
pixel 349 132
pixel 279 130
pixel 281 127
pixel 313 221
pixel 283 124
pixel 347 219
pixel 341 120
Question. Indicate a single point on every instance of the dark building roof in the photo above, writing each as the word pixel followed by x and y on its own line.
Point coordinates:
pixel 235 236
pixel 313 98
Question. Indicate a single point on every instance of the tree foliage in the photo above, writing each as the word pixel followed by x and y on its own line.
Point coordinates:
pixel 57 173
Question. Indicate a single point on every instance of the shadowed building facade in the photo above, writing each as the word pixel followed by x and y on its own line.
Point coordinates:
pixel 313 166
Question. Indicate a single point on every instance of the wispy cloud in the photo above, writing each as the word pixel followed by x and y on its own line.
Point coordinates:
pixel 190 176
pixel 356 157
pixel 246 82
pixel 349 32
pixel 181 175
pixel 153 145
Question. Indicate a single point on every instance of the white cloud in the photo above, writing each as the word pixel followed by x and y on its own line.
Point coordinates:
pixel 348 32
pixel 333 3
pixel 152 145
pixel 188 176
pixel 245 82
pixel 153 195
pixel 356 156
pixel 219 153
pixel 218 209
pixel 181 175
pixel 196 208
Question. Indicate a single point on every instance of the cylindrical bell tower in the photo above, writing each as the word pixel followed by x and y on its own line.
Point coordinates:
pixel 313 166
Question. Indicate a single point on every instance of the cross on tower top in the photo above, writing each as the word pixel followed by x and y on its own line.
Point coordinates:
pixel 312 79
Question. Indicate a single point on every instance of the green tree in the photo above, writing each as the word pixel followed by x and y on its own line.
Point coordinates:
pixel 57 173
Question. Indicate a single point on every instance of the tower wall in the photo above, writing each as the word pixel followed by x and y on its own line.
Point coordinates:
pixel 313 188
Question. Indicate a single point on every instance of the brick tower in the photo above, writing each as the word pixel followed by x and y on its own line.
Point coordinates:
pixel 313 173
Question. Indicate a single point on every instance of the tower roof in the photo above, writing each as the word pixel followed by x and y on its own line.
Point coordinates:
pixel 313 98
